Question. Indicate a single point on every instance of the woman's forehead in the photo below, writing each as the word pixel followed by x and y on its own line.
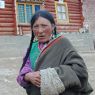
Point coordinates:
pixel 42 20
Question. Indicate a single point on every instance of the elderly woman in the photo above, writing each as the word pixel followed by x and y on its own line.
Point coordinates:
pixel 52 66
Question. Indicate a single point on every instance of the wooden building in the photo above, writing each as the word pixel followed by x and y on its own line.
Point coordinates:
pixel 15 16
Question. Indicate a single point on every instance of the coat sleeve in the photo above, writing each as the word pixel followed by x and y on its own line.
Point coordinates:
pixel 72 71
pixel 23 71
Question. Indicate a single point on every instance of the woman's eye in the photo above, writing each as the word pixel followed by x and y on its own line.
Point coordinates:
pixel 44 26
pixel 36 26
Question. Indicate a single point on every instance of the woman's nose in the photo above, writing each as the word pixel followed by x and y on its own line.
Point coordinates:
pixel 40 30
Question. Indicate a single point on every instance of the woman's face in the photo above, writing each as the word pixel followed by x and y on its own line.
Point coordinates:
pixel 42 29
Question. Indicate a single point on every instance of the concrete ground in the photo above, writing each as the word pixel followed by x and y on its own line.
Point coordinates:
pixel 12 49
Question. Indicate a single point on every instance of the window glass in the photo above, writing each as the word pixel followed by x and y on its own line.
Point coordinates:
pixel 21 16
pixel 37 7
pixel 59 8
pixel 28 12
pixel 59 15
pixel 63 8
pixel 64 16
pixel 61 12
pixel 25 11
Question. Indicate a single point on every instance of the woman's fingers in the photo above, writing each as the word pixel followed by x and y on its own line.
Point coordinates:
pixel 34 78
pixel 36 81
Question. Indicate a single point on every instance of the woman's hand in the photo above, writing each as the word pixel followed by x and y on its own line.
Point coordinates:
pixel 34 78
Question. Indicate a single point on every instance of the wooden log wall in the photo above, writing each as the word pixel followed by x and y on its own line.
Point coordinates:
pixel 24 29
pixel 8 19
pixel 74 12
pixel 75 15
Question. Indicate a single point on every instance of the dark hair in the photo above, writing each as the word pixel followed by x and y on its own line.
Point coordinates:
pixel 42 13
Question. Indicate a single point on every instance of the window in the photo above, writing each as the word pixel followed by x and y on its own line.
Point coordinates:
pixel 21 16
pixel 29 12
pixel 61 12
pixel 25 11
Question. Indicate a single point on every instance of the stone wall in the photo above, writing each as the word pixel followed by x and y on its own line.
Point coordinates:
pixel 89 14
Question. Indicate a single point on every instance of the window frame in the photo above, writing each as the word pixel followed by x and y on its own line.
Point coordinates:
pixel 61 21
pixel 26 3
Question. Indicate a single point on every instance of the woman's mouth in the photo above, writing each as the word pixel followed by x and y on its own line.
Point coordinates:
pixel 41 36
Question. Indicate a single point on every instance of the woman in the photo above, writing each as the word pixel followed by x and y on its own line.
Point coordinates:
pixel 51 65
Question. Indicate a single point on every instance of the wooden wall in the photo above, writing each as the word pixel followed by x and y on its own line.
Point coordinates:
pixel 7 19
pixel 75 15
pixel 24 29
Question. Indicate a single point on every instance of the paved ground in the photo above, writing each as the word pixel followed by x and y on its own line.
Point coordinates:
pixel 11 52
